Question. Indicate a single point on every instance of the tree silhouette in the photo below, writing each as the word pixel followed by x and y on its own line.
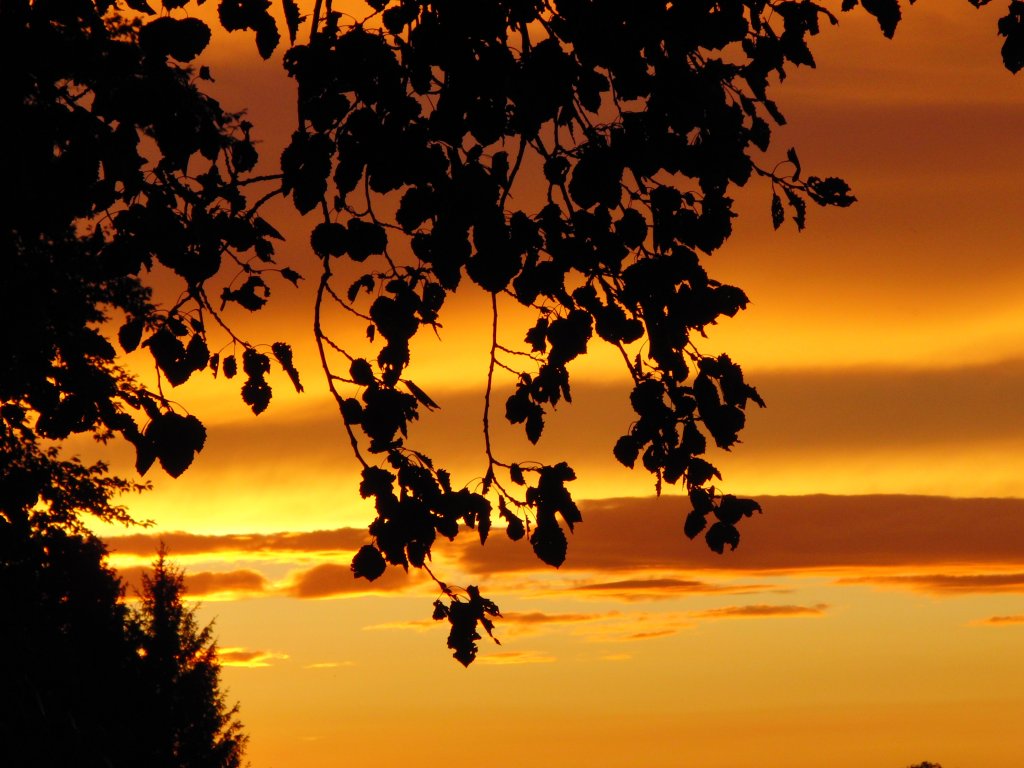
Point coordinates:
pixel 192 725
pixel 87 681
pixel 575 158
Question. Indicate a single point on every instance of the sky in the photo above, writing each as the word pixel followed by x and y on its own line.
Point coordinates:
pixel 872 616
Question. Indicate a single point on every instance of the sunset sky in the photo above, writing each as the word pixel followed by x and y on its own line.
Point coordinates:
pixel 872 617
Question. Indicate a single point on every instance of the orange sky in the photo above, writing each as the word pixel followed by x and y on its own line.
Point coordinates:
pixel 877 625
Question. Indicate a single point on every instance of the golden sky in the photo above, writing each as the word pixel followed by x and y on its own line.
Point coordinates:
pixel 872 616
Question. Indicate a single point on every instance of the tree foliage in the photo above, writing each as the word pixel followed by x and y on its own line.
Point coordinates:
pixel 577 158
pixel 87 680
pixel 191 722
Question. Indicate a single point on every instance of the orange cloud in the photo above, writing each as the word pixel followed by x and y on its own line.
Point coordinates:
pixel 505 658
pixel 794 533
pixel 237 583
pixel 331 580
pixel 940 583
pixel 537 617
pixel 183 543
pixel 1004 620
pixel 243 657
pixel 636 590
pixel 760 611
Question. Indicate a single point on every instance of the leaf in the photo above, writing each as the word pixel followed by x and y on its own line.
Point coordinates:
pixel 291 276
pixel 695 523
pixel 534 423
pixel 549 543
pixel 256 394
pixel 1011 26
pixel 799 206
pixel 361 372
pixel 887 12
pixel 368 563
pixel 130 334
pixel 792 157
pixel 483 522
pixel 720 534
pixel 420 395
pixel 830 191
pixel 230 367
pixel 291 18
pixel 626 450
pixel 182 39
pixel 778 212
pixel 255 363
pixel 246 295
pixel 283 353
pixel 175 440
pixel 731 510
pixel 699 471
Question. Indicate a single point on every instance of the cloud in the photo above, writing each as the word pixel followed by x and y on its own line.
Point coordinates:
pixel 636 590
pixel 243 657
pixel 331 580
pixel 946 584
pixel 794 533
pixel 183 543
pixel 240 582
pixel 536 617
pixel 234 584
pixel 760 611
pixel 506 658
pixel 653 634
pixel 1003 620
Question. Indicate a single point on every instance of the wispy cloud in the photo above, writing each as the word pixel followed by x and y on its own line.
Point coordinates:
pixel 331 580
pixel 760 611
pixel 180 543
pixel 506 658
pixel 640 589
pixel 209 585
pixel 1001 621
pixel 536 617
pixel 244 657
pixel 941 583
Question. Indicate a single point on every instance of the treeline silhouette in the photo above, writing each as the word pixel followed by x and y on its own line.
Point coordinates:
pixel 88 680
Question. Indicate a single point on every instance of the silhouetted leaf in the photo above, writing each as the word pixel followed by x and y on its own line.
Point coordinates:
pixel 1011 26
pixel 361 372
pixel 291 18
pixel 549 543
pixel 720 534
pixel 695 523
pixel 887 12
pixel 368 563
pixel 291 276
pixel 626 450
pixel 731 510
pixel 283 353
pixel 420 395
pixel 130 334
pixel 256 394
pixel 792 157
pixel 252 294
pixel 778 213
pixel 182 39
pixel 175 440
